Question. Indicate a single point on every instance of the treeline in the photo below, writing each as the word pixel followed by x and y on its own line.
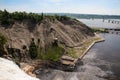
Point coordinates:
pixel 88 16
pixel 7 18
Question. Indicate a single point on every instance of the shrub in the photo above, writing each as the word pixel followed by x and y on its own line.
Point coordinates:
pixel 3 40
pixel 24 47
pixel 52 53
pixel 33 50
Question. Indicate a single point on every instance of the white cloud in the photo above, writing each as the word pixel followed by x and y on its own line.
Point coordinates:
pixel 54 1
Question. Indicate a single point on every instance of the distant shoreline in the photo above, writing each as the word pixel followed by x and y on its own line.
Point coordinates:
pixel 86 16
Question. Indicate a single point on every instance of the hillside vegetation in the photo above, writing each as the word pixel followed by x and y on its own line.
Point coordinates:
pixel 7 18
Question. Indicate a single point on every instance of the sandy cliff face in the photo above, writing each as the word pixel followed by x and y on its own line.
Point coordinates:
pixel 70 33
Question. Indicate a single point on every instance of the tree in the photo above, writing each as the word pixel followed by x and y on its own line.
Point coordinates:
pixel 5 18
pixel 42 16
pixel 33 49
pixel 3 40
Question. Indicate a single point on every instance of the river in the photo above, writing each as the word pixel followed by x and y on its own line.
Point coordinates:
pixel 99 23
pixel 100 63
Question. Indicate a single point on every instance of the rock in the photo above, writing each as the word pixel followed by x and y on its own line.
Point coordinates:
pixel 28 69
pixel 59 77
pixel 38 71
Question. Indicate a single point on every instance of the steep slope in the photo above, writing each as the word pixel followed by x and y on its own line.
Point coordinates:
pixel 70 33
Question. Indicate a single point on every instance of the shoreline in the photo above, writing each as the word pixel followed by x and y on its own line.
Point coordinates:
pixel 93 43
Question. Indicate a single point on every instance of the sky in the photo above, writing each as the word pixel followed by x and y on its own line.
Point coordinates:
pixel 110 7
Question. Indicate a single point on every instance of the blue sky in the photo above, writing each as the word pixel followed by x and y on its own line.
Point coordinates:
pixel 65 6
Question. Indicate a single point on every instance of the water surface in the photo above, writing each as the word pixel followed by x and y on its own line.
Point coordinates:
pixel 100 23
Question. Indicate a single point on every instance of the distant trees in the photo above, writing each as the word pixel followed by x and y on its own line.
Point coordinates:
pixel 61 17
pixel 4 17
pixel 7 18
pixel 18 15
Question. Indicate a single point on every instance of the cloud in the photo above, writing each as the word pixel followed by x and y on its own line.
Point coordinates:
pixel 53 1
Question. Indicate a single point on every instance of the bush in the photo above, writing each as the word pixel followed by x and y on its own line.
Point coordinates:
pixel 3 40
pixel 24 47
pixel 61 17
pixel 51 53
pixel 4 18
pixel 33 50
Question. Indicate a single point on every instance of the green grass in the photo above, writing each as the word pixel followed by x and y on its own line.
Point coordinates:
pixel 99 30
pixel 51 53
pixel 71 53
